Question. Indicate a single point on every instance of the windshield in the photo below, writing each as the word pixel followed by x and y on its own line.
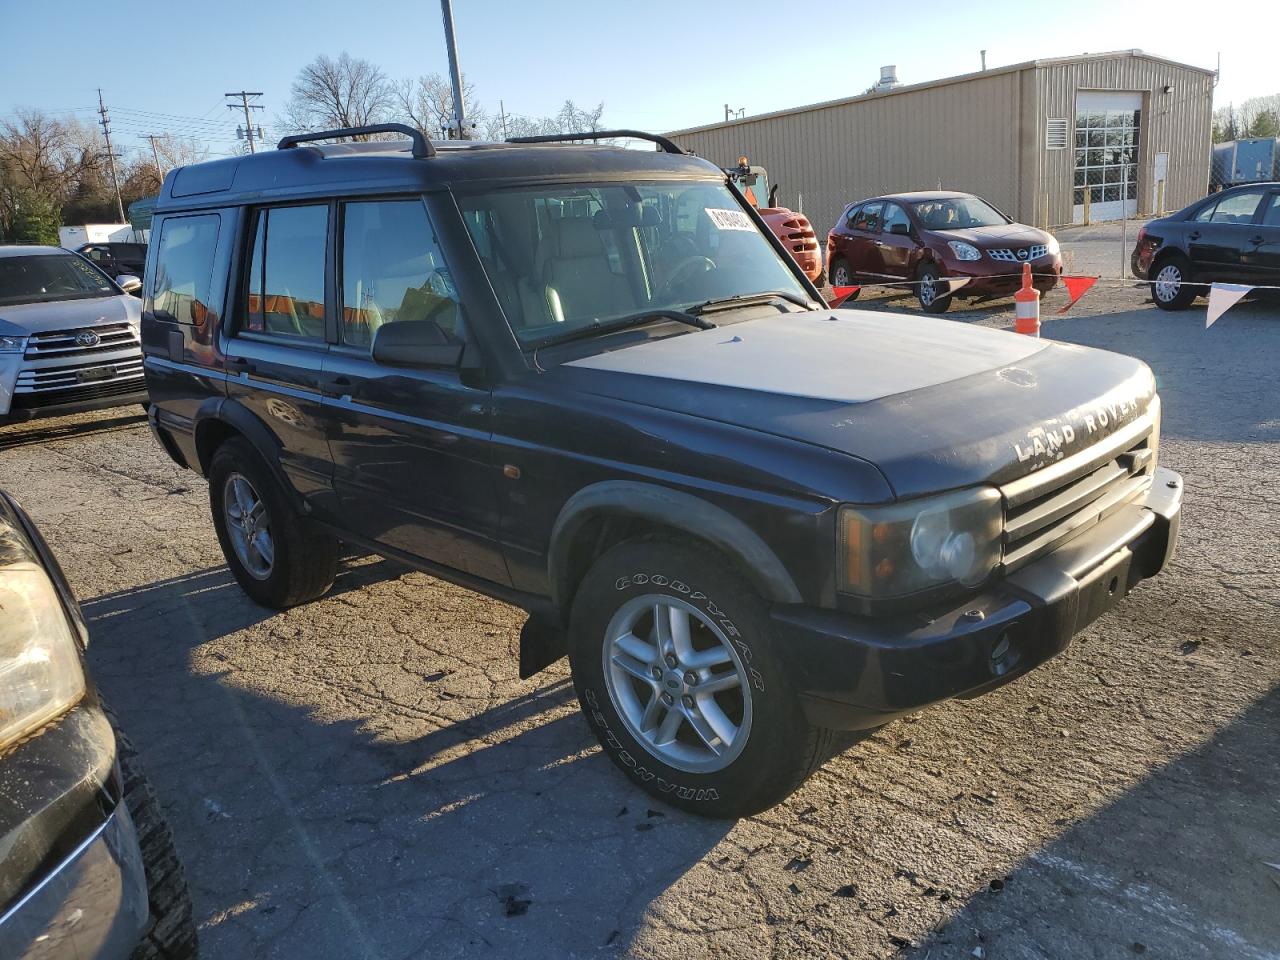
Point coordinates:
pixel 50 277
pixel 959 213
pixel 564 257
pixel 754 186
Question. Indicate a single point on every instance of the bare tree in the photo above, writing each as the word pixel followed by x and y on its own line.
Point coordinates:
pixel 342 92
pixel 428 103
pixel 43 161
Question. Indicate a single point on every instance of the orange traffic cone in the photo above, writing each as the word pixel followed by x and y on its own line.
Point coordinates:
pixel 1027 306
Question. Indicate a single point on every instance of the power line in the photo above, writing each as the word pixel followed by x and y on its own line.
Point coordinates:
pixel 244 96
pixel 105 120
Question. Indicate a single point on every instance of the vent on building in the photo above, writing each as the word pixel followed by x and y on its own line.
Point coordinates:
pixel 1055 134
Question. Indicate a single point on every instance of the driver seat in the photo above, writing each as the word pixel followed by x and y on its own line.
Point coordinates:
pixel 578 280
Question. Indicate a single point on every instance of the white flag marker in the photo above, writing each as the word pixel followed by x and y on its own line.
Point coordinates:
pixel 955 283
pixel 1222 297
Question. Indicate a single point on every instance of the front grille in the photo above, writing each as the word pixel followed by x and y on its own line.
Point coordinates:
pixel 800 237
pixel 1021 255
pixel 97 391
pixel 1046 508
pixel 90 373
pixel 62 343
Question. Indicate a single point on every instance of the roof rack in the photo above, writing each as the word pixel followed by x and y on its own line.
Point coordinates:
pixel 422 148
pixel 657 138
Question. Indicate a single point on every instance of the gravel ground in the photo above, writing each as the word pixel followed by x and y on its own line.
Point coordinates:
pixel 366 777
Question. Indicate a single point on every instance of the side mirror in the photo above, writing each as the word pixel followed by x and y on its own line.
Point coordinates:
pixel 900 228
pixel 129 283
pixel 415 343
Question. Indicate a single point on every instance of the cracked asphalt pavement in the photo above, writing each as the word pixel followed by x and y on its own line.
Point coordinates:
pixel 366 776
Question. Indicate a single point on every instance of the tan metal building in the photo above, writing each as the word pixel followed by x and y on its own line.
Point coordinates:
pixel 1051 142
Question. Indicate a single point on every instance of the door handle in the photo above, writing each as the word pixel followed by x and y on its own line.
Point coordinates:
pixel 241 364
pixel 1193 235
pixel 1257 240
pixel 336 386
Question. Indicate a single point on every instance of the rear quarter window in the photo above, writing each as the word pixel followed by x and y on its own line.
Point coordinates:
pixel 184 267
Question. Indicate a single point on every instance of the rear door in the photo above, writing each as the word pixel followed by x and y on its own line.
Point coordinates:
pixel 1218 234
pixel 410 444
pixel 1262 255
pixel 275 353
pixel 864 234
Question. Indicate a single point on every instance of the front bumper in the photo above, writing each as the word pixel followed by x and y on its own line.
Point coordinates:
pixel 989 278
pixel 70 867
pixel 856 672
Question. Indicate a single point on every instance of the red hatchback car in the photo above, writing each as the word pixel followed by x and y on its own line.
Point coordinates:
pixel 923 237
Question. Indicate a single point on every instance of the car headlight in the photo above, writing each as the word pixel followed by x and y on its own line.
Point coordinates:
pixel 964 251
pixel 40 672
pixel 13 344
pixel 905 548
pixel 1051 246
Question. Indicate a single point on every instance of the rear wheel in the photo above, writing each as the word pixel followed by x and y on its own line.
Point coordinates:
pixel 281 559
pixel 677 674
pixel 1170 284
pixel 841 275
pixel 931 291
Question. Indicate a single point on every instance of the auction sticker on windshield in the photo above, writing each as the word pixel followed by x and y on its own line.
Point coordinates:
pixel 730 219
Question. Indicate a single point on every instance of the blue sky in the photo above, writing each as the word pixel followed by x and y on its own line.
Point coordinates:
pixel 657 65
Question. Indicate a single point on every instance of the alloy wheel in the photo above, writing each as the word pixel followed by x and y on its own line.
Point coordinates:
pixel 840 278
pixel 248 525
pixel 678 683
pixel 927 291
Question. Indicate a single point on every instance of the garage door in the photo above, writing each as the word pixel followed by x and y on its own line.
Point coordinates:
pixel 1106 154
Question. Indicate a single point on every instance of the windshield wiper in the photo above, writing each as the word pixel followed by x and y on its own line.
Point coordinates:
pixel 597 327
pixel 749 300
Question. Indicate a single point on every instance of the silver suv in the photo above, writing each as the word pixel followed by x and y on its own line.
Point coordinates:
pixel 68 335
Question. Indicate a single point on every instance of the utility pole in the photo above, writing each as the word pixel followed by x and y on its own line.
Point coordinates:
pixel 105 120
pixel 502 112
pixel 155 154
pixel 450 41
pixel 246 106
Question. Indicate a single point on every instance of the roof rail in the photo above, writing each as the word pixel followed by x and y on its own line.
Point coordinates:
pixel 422 148
pixel 657 138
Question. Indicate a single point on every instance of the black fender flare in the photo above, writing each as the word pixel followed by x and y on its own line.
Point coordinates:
pixel 665 507
pixel 226 413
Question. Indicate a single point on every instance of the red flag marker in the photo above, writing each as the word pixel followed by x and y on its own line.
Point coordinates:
pixel 1077 287
pixel 840 294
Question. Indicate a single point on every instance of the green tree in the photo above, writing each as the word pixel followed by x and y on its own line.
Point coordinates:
pixel 1265 124
pixel 35 219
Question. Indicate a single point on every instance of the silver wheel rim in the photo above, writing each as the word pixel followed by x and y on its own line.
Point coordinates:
pixel 1168 281
pixel 841 276
pixel 926 291
pixel 678 683
pixel 248 526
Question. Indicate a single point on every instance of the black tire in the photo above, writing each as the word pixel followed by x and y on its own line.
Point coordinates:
pixel 305 557
pixel 781 748
pixel 840 275
pixel 171 932
pixel 1175 269
pixel 926 290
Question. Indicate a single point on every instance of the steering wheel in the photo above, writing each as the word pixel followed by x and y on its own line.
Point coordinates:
pixel 684 271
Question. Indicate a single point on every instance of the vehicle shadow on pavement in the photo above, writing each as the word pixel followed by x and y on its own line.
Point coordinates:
pixel 43 431
pixel 502 828
pixel 1107 887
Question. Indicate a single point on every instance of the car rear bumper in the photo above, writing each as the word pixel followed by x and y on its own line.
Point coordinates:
pixel 854 672
pixel 72 871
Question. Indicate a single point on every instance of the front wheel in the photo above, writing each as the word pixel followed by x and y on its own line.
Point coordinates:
pixel 677 674
pixel 1170 287
pixel 931 291
pixel 841 275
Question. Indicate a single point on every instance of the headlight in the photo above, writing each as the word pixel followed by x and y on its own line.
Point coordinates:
pixel 964 251
pixel 1051 246
pixel 13 344
pixel 40 672
pixel 904 548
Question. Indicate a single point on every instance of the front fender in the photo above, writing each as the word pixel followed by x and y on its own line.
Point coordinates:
pixel 221 417
pixel 664 507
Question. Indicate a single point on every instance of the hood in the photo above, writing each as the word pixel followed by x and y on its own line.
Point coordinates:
pixel 1000 235
pixel 24 319
pixel 934 404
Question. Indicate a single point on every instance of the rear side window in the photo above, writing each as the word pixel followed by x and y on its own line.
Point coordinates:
pixel 184 266
pixel 850 216
pixel 1239 208
pixel 868 217
pixel 286 272
pixel 392 270
pixel 1271 215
